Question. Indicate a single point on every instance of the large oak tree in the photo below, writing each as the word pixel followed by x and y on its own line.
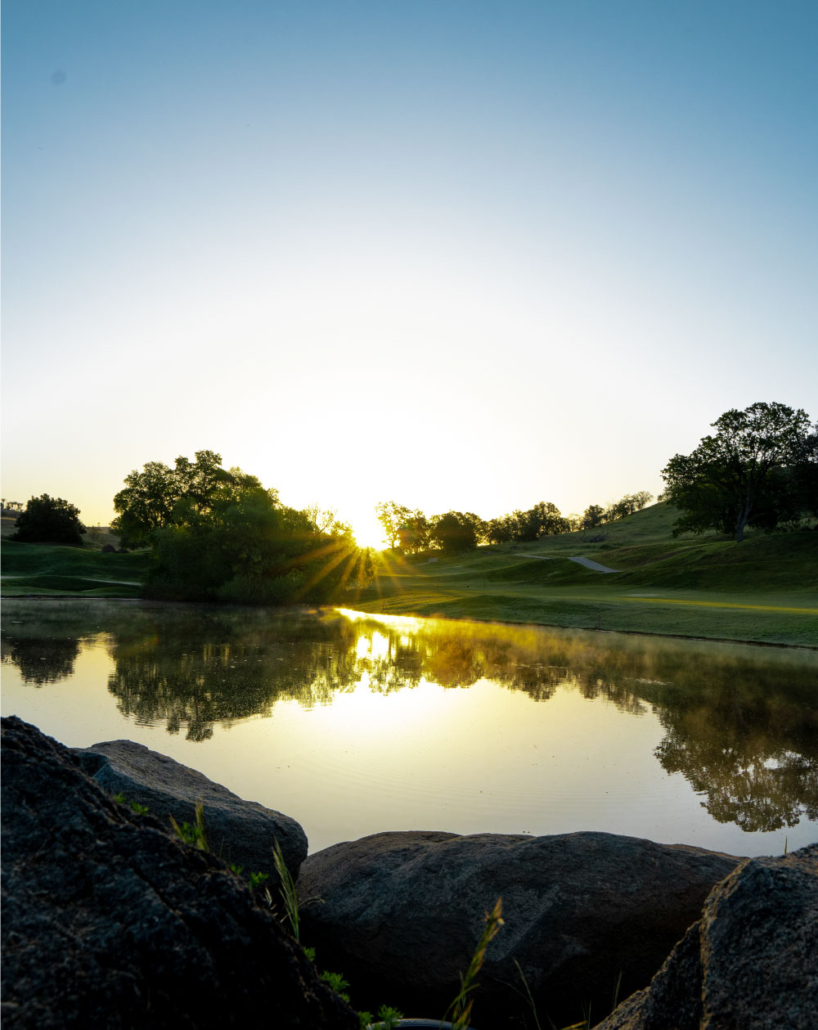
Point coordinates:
pixel 753 471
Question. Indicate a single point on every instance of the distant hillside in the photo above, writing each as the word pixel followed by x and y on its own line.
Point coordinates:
pixel 54 569
pixel 763 589
pixel 642 547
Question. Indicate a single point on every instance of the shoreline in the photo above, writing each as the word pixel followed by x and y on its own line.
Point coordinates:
pixel 216 605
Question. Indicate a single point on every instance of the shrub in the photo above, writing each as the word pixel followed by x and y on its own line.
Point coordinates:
pixel 49 520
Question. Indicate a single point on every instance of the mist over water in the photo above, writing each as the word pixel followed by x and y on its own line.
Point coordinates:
pixel 356 723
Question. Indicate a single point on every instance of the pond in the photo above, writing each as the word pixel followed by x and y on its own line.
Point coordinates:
pixel 357 723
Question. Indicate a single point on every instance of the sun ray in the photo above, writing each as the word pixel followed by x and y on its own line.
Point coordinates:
pixel 323 571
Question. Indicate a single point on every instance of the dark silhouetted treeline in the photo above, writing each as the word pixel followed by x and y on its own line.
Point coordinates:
pixel 411 531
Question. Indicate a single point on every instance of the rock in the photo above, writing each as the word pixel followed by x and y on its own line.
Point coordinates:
pixel 751 963
pixel 108 549
pixel 108 922
pixel 238 831
pixel 402 913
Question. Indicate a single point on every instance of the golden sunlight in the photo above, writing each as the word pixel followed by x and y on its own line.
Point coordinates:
pixel 368 531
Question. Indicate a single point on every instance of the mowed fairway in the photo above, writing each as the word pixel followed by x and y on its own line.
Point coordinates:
pixel 763 590
pixel 32 570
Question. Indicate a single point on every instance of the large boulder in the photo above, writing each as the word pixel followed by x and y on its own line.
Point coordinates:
pixel 240 832
pixel 401 913
pixel 751 963
pixel 108 922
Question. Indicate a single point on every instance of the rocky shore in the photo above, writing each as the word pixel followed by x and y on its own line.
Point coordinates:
pixel 110 920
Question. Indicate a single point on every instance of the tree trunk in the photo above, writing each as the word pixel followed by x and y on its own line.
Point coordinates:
pixel 742 519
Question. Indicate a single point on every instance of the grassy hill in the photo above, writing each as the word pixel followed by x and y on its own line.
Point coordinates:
pixel 32 569
pixel 764 589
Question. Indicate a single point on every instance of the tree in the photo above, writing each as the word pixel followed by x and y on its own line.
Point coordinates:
pixel 199 480
pixel 500 530
pixel 392 517
pixel 549 520
pixel 146 503
pixel 454 532
pixel 593 516
pixel 742 476
pixel 480 527
pixel 152 497
pixel 640 500
pixel 413 533
pixel 247 547
pixel 49 520
pixel 217 534
pixel 805 476
pixel 544 519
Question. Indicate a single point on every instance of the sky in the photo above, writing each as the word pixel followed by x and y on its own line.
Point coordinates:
pixel 460 255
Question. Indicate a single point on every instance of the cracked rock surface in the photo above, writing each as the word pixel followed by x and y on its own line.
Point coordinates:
pixel 750 963
pixel 109 922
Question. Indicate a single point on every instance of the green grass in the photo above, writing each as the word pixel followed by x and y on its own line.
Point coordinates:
pixel 45 569
pixel 763 590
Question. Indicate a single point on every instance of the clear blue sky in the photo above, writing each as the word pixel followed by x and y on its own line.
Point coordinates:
pixel 465 255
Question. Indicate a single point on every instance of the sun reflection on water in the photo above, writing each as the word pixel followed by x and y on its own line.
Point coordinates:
pixel 356 722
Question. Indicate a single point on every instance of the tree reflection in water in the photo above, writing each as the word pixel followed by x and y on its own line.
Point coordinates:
pixel 43 660
pixel 741 723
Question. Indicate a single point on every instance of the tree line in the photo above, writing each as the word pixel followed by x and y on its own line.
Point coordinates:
pixel 412 532
pixel 218 533
pixel 758 470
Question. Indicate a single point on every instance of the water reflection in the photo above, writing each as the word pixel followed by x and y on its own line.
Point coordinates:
pixel 750 752
pixel 218 671
pixel 41 661
pixel 741 724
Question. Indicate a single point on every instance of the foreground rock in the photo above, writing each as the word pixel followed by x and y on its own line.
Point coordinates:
pixel 238 831
pixel 110 923
pixel 402 912
pixel 751 963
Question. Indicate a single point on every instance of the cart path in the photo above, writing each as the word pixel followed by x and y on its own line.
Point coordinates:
pixel 589 563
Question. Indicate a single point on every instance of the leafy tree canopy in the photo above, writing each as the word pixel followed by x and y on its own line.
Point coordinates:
pixel 454 532
pixel 218 534
pixel 392 516
pixel 593 516
pixel 150 498
pixel 543 519
pixel 49 520
pixel 758 469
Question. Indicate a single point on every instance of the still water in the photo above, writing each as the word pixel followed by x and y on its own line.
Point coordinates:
pixel 356 723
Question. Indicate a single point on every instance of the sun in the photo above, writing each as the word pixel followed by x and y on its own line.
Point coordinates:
pixel 368 531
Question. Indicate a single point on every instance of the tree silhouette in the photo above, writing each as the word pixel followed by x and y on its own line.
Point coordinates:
pixel 747 474
pixel 49 520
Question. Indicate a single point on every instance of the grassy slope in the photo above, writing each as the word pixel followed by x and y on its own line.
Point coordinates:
pixel 50 569
pixel 765 589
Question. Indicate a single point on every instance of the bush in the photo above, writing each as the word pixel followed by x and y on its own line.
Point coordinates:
pixel 251 590
pixel 49 520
